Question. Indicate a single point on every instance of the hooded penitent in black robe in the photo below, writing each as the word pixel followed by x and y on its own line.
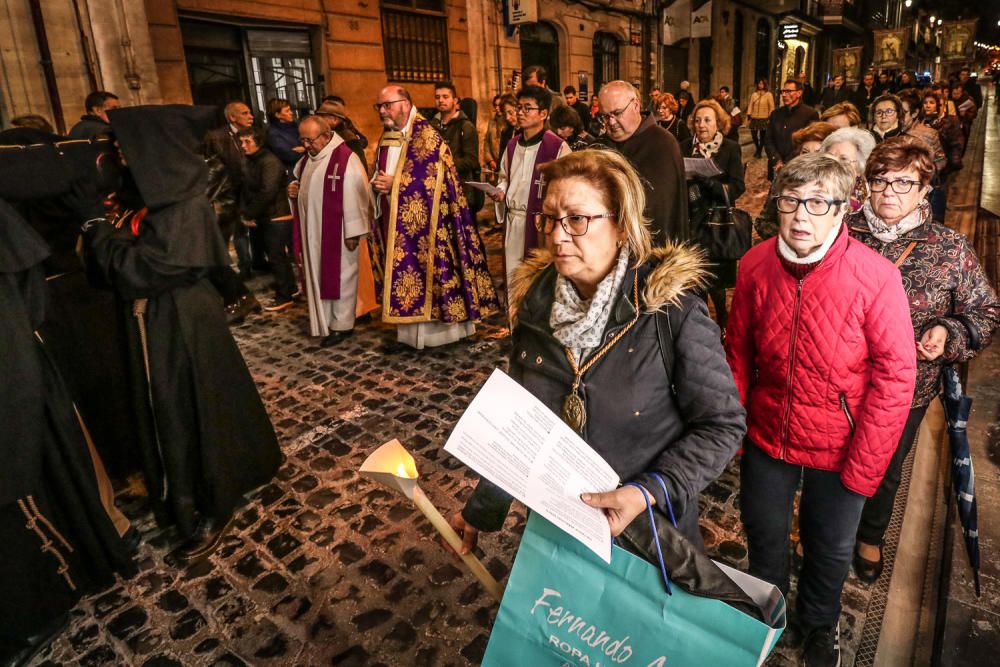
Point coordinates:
pixel 83 328
pixel 57 542
pixel 205 438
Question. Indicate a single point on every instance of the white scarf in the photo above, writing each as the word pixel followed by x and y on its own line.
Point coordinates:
pixel 709 149
pixel 886 233
pixel 816 255
pixel 577 323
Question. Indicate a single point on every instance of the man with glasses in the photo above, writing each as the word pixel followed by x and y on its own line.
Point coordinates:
pixel 435 282
pixel 655 154
pixel 521 188
pixel 787 119
pixel 332 208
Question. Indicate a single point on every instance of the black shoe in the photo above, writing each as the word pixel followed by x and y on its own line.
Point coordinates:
pixel 336 337
pixel 791 638
pixel 278 303
pixel 206 539
pixel 132 538
pixel 822 648
pixel 866 570
pixel 393 347
pixel 238 311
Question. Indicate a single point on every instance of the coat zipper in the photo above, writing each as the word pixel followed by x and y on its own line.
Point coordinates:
pixel 791 369
pixel 847 411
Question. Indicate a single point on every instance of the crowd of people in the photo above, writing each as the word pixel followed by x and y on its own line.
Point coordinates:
pixel 842 315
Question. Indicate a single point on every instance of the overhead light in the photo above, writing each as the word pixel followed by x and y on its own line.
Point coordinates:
pixel 940 21
pixel 932 20
pixel 908 3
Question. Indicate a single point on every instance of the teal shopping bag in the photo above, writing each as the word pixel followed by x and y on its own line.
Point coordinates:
pixel 566 607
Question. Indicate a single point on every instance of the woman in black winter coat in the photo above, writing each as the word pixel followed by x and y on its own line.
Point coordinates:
pixel 710 123
pixel 655 395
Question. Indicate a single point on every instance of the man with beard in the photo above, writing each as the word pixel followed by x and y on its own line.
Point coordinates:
pixel 462 138
pixel 205 438
pixel 435 283
pixel 655 154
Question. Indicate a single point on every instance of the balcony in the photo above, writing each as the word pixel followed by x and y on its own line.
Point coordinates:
pixel 845 13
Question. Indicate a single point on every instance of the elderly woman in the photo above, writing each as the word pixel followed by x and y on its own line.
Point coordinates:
pixel 759 110
pixel 710 124
pixel 952 305
pixel 818 344
pixel 886 115
pixel 807 140
pixel 843 114
pixel 589 315
pixel 852 145
pixel 669 120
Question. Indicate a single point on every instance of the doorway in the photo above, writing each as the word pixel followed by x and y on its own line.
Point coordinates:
pixel 540 46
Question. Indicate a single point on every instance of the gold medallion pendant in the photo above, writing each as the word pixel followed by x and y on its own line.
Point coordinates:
pixel 573 412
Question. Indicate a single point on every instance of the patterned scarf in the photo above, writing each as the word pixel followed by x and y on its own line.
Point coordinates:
pixel 886 233
pixel 577 323
pixel 709 149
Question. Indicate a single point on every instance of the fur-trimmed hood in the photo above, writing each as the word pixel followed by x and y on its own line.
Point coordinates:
pixel 671 272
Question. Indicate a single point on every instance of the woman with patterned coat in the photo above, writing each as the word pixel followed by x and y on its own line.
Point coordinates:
pixel 952 304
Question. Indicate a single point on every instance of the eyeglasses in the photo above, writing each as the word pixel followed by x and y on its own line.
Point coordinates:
pixel 385 105
pixel 789 91
pixel 522 108
pixel 814 205
pixel 883 113
pixel 900 186
pixel 605 118
pixel 307 141
pixel 574 225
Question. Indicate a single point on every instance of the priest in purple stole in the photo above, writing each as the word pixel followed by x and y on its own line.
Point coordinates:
pixel 436 282
pixel 523 187
pixel 332 206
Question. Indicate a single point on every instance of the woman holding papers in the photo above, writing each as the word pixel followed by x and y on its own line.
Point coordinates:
pixel 710 124
pixel 612 335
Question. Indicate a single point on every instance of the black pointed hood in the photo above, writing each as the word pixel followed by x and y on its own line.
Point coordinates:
pixel 20 246
pixel 161 145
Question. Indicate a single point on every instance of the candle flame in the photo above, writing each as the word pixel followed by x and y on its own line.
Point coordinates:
pixel 401 471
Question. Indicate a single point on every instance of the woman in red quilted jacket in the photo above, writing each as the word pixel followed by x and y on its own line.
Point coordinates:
pixel 821 347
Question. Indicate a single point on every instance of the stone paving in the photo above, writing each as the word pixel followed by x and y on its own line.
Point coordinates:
pixel 323 567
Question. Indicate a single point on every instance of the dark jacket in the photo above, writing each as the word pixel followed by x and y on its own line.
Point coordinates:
pixel 583 109
pixel 264 179
pixel 687 426
pixel 833 96
pixel 949 131
pixel 282 140
pixel 90 127
pixel 463 140
pixel 946 285
pixel 224 144
pixel 655 154
pixel 863 99
pixel 780 126
pixel 677 127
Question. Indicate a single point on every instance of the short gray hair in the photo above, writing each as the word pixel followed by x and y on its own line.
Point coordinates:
pixel 820 168
pixel 862 140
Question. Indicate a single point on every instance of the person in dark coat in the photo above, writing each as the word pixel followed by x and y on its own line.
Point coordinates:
pixel 971 86
pixel 283 133
pixel 57 540
pixel 670 120
pixel 565 122
pixel 835 93
pixel 655 155
pixel 94 123
pixel 710 123
pixel 264 204
pixel 866 94
pixel 206 438
pixel 791 116
pixel 462 138
pixel 601 291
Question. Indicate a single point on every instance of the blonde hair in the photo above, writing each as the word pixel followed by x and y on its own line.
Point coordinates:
pixel 617 181
pixel 722 118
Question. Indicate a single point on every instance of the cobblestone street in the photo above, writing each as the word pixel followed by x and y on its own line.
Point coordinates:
pixel 324 568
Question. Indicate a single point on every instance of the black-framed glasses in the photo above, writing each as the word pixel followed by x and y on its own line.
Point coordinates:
pixel 307 141
pixel 574 225
pixel 884 113
pixel 615 115
pixel 814 205
pixel 900 186
pixel 379 106
pixel 523 108
pixel 789 91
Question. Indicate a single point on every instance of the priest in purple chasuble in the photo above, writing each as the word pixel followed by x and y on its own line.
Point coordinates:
pixel 333 211
pixel 436 282
pixel 523 187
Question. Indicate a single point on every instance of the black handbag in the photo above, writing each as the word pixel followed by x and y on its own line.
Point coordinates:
pixel 726 232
